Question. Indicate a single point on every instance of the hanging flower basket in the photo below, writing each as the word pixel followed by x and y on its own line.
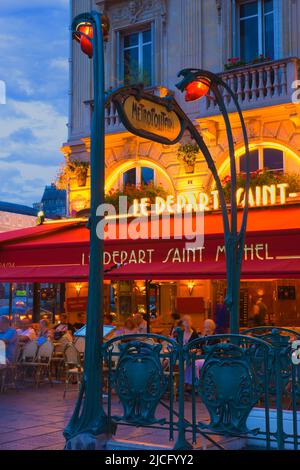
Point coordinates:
pixel 187 154
pixel 189 168
pixel 73 168
pixel 81 175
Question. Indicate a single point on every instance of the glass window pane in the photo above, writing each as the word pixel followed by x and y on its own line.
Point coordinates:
pixel 129 177
pixel 273 159
pixel 254 162
pixel 268 6
pixel 147 36
pixel 131 40
pixel 269 36
pixel 147 65
pixel 249 39
pixel 147 175
pixel 248 9
pixel 131 66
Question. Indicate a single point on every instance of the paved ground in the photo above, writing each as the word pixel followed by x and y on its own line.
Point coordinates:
pixel 32 419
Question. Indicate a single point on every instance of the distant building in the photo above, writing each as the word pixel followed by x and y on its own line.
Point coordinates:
pixel 53 203
pixel 15 216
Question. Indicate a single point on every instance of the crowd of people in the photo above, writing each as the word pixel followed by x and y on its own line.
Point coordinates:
pixel 25 332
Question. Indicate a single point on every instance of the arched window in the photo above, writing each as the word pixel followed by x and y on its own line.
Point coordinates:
pixel 268 158
pixel 138 175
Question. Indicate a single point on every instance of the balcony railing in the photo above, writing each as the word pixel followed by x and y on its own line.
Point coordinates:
pixel 112 120
pixel 255 86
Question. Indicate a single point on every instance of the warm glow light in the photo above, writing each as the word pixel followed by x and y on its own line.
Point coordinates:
pixel 225 166
pixel 78 287
pixel 190 286
pixel 85 43
pixel 87 29
pixel 196 90
pixel 115 174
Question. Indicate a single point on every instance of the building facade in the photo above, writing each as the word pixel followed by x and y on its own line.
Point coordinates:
pixel 254 45
pixel 53 202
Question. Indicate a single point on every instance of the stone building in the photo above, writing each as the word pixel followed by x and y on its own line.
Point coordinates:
pixel 253 44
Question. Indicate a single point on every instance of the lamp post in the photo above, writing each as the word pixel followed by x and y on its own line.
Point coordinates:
pixel 89 421
pixel 196 84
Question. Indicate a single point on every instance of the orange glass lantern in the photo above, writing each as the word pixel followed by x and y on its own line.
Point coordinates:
pixel 197 89
pixel 85 43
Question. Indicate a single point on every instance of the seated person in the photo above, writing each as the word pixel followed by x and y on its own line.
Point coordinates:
pixel 60 329
pixel 209 327
pixel 26 333
pixel 79 323
pixel 129 327
pixel 140 323
pixel 44 331
pixel 9 336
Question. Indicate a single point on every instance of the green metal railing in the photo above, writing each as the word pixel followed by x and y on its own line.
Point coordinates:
pixel 240 386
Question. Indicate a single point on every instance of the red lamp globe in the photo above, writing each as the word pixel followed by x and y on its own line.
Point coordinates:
pixel 85 43
pixel 197 89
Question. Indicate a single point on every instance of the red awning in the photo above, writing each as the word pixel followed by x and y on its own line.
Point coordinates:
pixel 59 251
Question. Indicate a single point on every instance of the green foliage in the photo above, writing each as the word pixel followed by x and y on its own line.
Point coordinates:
pixel 133 192
pixel 188 153
pixel 72 168
pixel 263 178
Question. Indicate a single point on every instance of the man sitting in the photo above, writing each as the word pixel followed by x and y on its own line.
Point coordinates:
pixel 26 333
pixel 9 336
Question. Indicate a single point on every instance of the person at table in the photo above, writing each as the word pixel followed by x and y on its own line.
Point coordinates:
pixel 140 323
pixel 79 322
pixel 61 328
pixel 221 317
pixel 189 334
pixel 44 331
pixel 26 333
pixel 209 327
pixel 9 336
pixel 259 313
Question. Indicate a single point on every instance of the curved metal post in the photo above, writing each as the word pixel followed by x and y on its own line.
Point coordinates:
pixel 89 419
pixel 234 239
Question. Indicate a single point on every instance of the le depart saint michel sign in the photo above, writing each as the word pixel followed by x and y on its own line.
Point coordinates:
pixel 148 116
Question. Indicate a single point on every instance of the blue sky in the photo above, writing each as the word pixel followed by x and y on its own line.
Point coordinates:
pixel 34 47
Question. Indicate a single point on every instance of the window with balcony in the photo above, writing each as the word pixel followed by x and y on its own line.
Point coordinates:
pixel 255 25
pixel 268 158
pixel 138 175
pixel 137 57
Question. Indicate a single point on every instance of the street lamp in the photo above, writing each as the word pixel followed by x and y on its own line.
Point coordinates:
pixel 89 420
pixel 197 84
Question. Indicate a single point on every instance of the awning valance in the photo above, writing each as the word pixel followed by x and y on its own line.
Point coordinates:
pixel 58 252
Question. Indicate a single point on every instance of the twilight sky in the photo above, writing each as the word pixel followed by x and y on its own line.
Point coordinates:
pixel 34 50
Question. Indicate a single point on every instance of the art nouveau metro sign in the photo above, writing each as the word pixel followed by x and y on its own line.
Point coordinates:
pixel 148 116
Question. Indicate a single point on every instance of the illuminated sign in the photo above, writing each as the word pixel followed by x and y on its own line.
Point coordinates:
pixel 152 117
pixel 148 116
pixel 260 196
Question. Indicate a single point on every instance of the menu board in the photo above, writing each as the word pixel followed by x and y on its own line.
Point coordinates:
pixel 77 304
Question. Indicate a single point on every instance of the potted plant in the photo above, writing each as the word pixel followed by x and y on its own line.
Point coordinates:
pixel 73 168
pixel 234 63
pixel 133 192
pixel 263 177
pixel 187 154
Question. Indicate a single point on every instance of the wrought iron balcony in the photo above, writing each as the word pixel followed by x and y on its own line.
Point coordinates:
pixel 258 85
